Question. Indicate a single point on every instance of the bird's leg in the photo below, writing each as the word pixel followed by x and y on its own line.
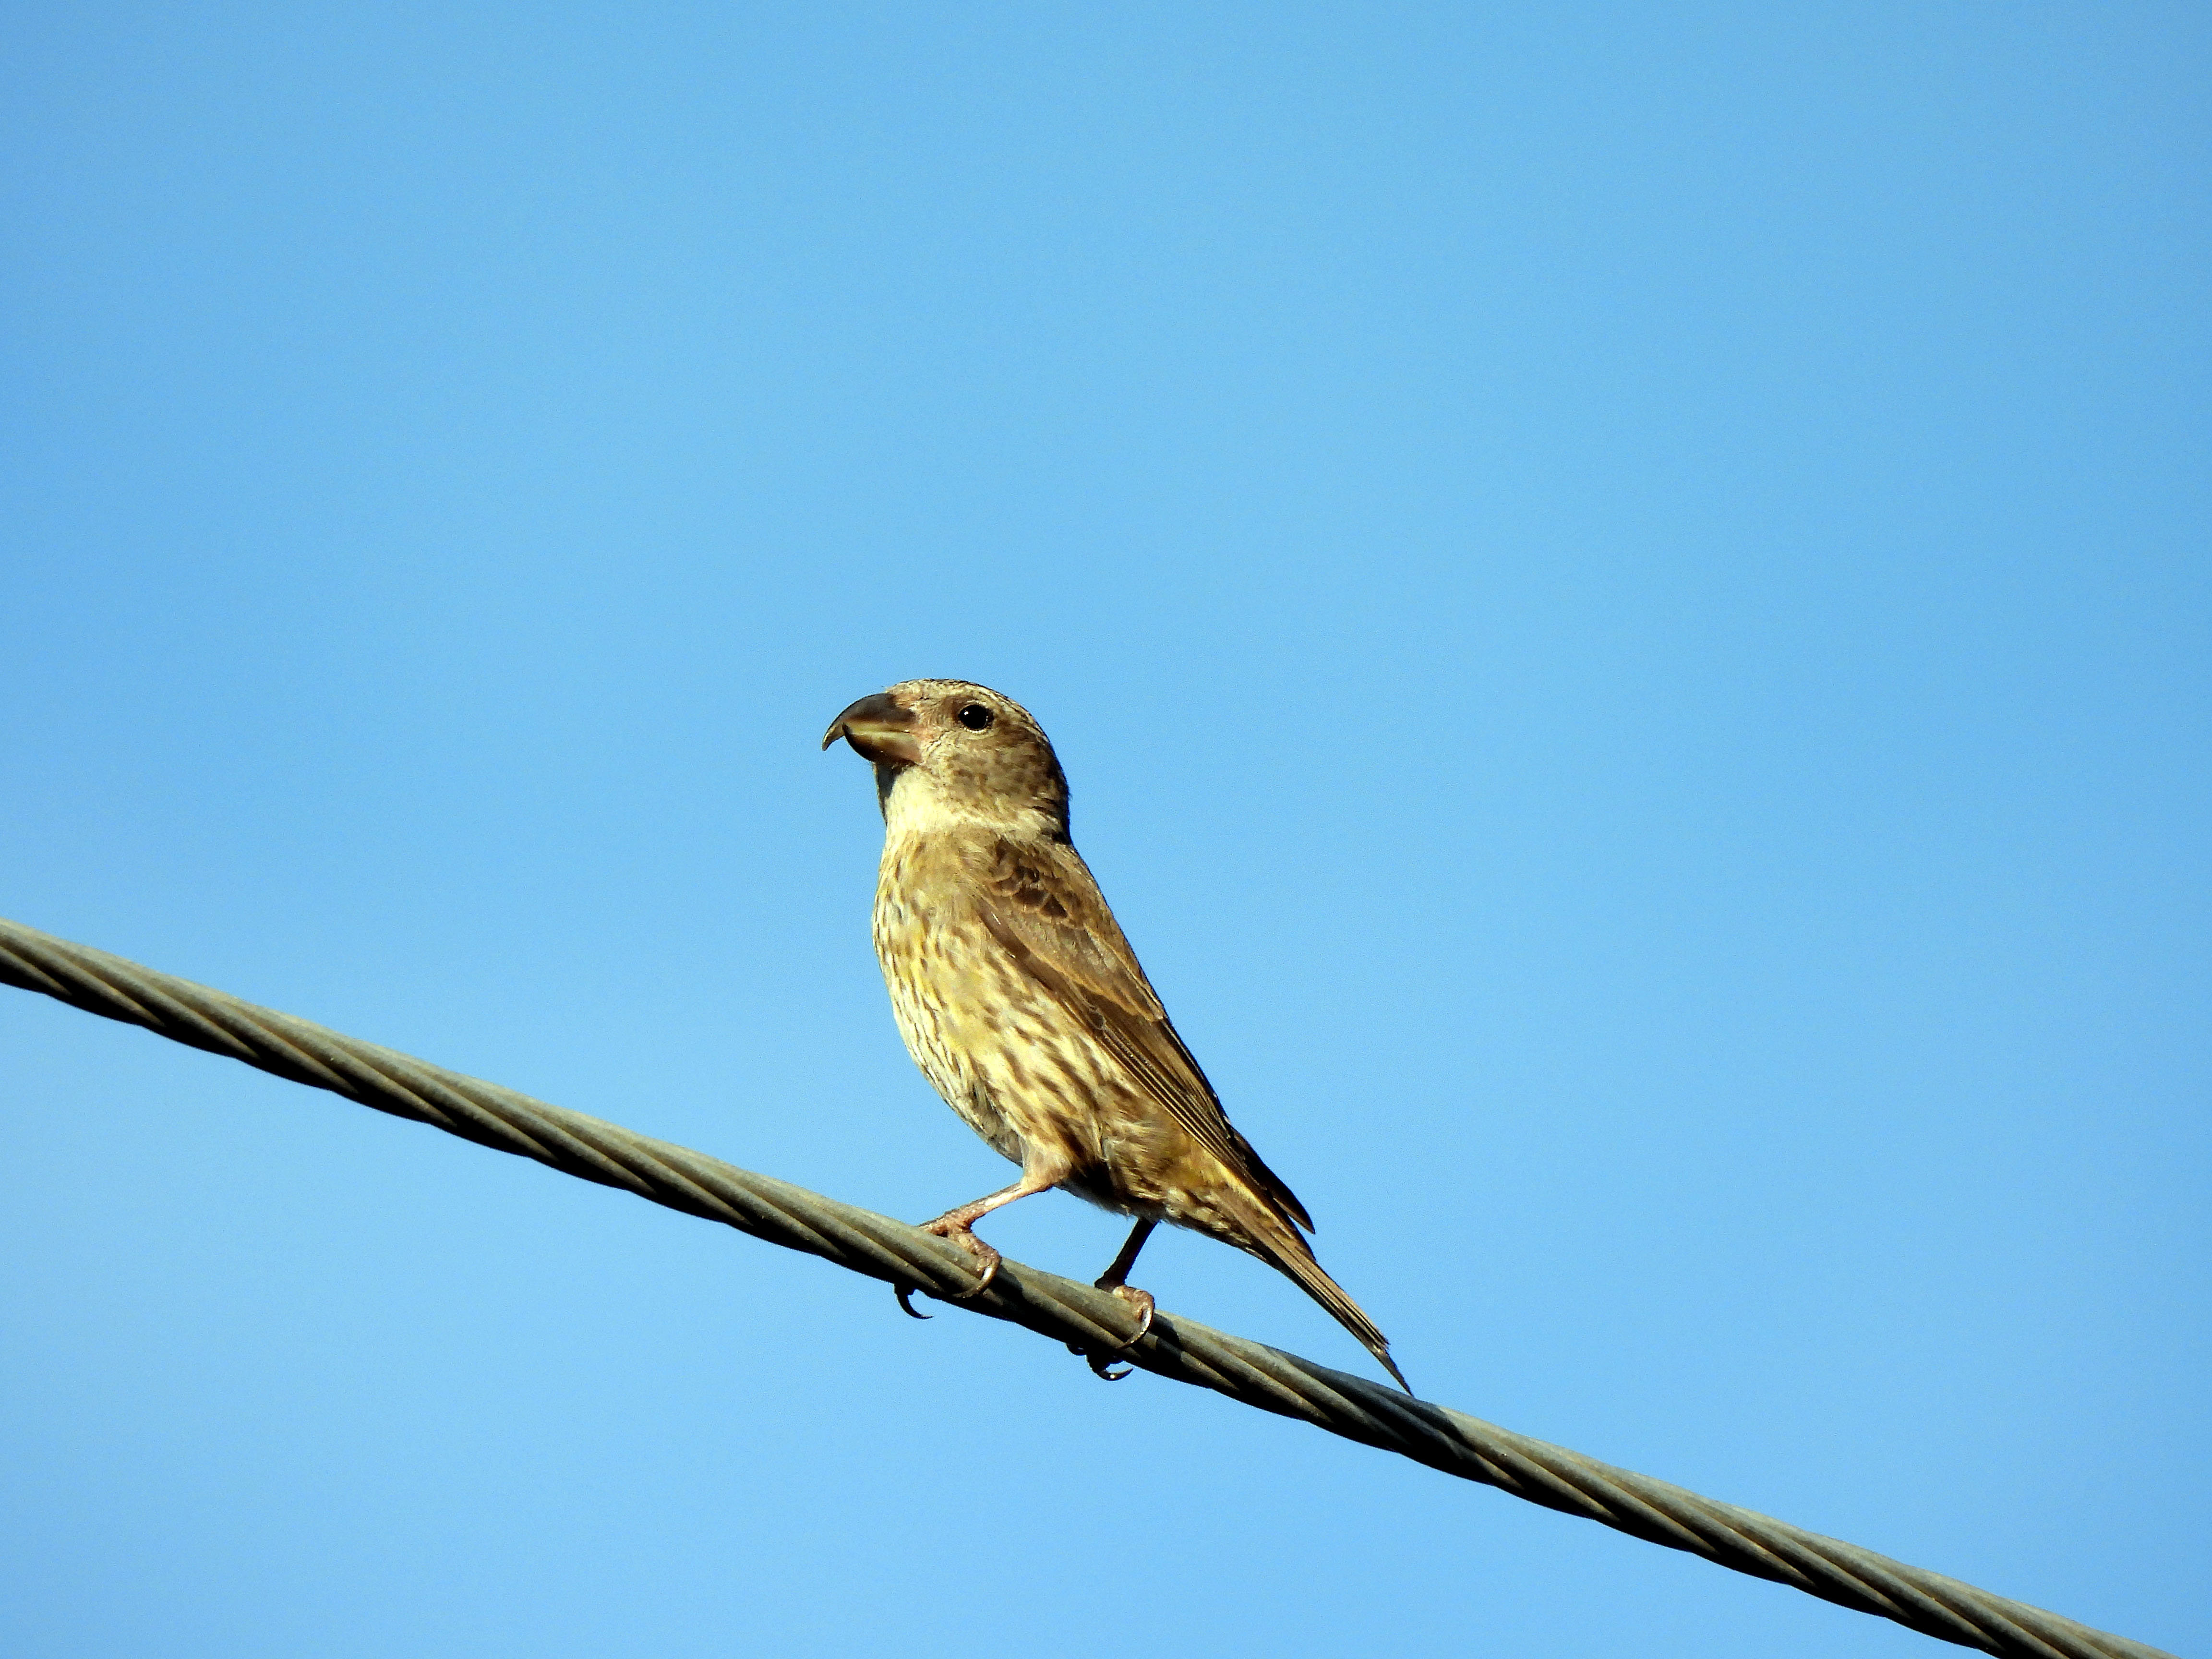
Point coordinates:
pixel 959 1226
pixel 1116 1280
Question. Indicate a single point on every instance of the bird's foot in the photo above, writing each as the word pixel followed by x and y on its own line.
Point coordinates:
pixel 1102 1364
pixel 1142 1301
pixel 958 1232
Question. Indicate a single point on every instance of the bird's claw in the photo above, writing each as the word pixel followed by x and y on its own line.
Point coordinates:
pixel 1102 1367
pixel 903 1291
pixel 1142 1300
pixel 990 1271
pixel 1102 1364
pixel 988 1258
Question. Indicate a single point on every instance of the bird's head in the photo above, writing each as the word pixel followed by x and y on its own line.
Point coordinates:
pixel 948 753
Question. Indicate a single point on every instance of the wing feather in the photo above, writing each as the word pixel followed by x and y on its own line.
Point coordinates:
pixel 1041 905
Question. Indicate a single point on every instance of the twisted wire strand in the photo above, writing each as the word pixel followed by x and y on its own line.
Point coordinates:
pixel 1088 1320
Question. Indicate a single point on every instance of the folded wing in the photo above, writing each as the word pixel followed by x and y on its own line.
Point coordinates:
pixel 1044 909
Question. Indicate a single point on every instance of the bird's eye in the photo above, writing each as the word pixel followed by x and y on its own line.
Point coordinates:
pixel 975 717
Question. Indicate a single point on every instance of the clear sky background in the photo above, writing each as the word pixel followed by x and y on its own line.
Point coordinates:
pixel 1624 595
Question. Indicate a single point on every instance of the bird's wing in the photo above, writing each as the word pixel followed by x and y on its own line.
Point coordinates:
pixel 1041 906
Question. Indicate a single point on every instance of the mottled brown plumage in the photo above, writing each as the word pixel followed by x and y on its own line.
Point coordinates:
pixel 1023 1004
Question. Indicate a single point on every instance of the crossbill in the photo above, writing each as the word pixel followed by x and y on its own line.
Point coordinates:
pixel 1024 1005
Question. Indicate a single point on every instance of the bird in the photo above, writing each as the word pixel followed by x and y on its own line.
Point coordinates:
pixel 1023 1004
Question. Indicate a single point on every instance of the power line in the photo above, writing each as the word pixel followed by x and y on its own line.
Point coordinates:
pixel 1087 1320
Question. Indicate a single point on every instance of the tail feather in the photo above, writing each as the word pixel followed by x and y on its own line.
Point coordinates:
pixel 1281 1248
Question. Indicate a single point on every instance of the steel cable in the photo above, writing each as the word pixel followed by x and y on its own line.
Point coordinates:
pixel 1087 1320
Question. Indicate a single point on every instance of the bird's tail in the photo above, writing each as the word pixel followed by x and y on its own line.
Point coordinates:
pixel 1282 1247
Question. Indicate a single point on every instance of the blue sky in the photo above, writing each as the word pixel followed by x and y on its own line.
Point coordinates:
pixel 1624 593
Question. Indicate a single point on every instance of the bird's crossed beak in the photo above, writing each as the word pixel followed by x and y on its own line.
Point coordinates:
pixel 880 729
